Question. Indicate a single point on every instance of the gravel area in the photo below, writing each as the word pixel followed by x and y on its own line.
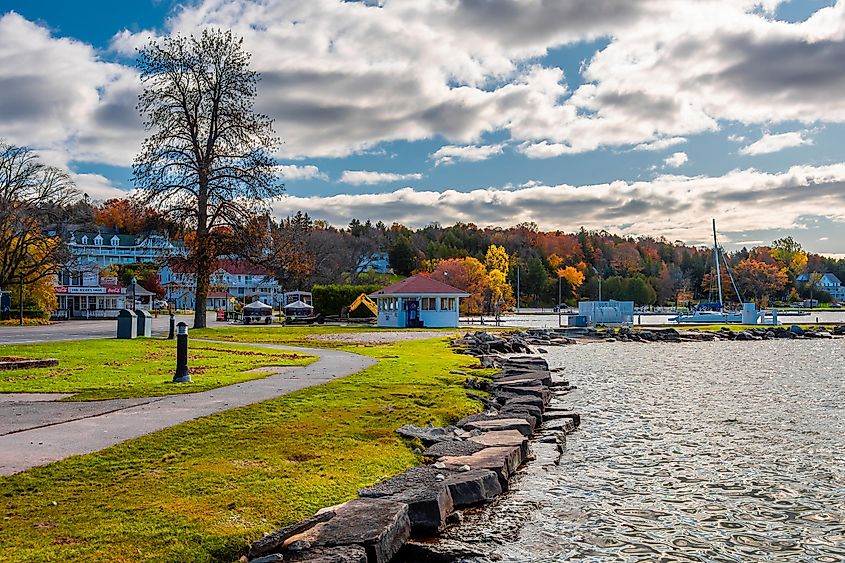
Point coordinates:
pixel 381 337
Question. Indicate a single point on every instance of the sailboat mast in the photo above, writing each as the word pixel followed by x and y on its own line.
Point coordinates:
pixel 718 269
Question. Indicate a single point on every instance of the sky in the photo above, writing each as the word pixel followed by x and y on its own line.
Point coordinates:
pixel 642 118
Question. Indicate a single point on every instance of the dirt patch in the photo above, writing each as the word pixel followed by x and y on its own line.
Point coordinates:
pixel 380 337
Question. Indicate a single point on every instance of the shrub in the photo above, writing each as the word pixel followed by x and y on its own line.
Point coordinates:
pixel 330 299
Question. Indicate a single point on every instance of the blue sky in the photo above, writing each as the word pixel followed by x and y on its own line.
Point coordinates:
pixel 543 108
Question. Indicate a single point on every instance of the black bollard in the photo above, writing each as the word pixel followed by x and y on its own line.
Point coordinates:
pixel 182 375
pixel 170 335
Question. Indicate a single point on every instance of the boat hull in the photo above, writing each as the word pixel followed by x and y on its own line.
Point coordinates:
pixel 707 317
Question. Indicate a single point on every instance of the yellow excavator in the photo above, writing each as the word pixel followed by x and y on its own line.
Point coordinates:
pixel 364 300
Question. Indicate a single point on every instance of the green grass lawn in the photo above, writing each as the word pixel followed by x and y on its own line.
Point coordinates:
pixel 109 369
pixel 203 490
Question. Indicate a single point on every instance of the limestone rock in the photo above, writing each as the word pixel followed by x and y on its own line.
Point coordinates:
pixel 340 554
pixel 428 499
pixel 476 486
pixel 381 526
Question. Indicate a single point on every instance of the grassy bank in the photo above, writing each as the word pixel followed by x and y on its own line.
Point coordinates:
pixel 109 369
pixel 202 490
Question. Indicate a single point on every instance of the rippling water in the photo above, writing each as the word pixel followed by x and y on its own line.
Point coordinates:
pixel 716 451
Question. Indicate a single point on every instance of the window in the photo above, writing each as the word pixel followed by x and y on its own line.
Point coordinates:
pixel 447 303
pixel 429 304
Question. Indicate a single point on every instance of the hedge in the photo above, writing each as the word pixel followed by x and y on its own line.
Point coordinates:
pixel 330 299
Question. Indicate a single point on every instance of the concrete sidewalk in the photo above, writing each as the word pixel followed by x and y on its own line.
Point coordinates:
pixel 50 431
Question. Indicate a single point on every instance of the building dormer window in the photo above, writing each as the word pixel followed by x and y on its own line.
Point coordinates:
pixel 98 240
pixel 115 241
pixel 84 239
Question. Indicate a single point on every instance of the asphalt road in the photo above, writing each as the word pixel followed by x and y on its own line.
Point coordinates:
pixel 81 330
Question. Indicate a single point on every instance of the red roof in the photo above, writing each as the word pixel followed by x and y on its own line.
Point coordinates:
pixel 419 285
pixel 218 294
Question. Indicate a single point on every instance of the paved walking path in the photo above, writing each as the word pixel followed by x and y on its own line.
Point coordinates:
pixel 35 432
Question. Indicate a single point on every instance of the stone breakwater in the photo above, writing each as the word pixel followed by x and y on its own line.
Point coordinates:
pixel 467 465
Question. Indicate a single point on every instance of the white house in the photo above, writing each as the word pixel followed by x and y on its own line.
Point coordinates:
pixel 103 248
pixel 232 278
pixel 418 301
pixel 828 283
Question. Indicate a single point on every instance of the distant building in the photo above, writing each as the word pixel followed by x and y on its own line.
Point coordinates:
pixel 104 249
pixel 828 283
pixel 607 312
pixel 233 278
pixel 377 262
pixel 81 295
pixel 418 301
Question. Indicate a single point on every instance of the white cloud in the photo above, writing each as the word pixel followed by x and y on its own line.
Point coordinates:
pixel 472 153
pixel 770 143
pixel 340 77
pixel 661 144
pixel 544 149
pixel 675 160
pixel 290 172
pixel 97 187
pixel 359 177
pixel 58 96
pixel 677 207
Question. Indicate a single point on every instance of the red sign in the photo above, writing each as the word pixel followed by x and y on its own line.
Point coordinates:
pixel 117 290
pixel 60 289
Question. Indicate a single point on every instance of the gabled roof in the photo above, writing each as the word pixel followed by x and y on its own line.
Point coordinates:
pixel 232 266
pixel 419 285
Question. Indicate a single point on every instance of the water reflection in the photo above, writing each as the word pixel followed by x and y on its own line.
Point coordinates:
pixel 720 451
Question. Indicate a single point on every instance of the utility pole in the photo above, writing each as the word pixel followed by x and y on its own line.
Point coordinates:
pixel 517 289
pixel 20 299
pixel 559 308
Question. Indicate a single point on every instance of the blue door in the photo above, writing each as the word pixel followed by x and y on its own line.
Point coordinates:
pixel 412 309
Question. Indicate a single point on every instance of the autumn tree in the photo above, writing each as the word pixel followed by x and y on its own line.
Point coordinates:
pixel 497 258
pixel 759 278
pixel 33 196
pixel 573 278
pixel 207 160
pixel 467 274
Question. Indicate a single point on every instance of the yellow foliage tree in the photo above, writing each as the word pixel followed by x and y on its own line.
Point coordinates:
pixel 501 292
pixel 555 261
pixel 497 259
pixel 572 276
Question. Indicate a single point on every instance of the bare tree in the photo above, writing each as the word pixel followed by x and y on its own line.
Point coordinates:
pixel 32 198
pixel 207 161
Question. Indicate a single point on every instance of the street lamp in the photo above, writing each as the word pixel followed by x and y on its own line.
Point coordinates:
pixel 132 285
pixel 596 272
pixel 559 308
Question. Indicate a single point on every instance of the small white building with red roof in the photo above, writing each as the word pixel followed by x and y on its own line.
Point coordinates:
pixel 417 302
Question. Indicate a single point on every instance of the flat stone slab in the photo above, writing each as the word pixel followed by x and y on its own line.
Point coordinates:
pixel 453 447
pixel 503 461
pixel 422 489
pixel 559 414
pixel 501 438
pixel 563 424
pixel 523 411
pixel 340 554
pixel 380 526
pixel 473 487
pixel 533 377
pixel 522 425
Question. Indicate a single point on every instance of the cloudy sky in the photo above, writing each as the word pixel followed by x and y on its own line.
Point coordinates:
pixel 641 117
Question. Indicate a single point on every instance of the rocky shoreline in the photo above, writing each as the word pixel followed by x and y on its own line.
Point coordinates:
pixel 467 465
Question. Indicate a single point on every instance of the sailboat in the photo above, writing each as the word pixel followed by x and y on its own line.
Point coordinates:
pixel 713 312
